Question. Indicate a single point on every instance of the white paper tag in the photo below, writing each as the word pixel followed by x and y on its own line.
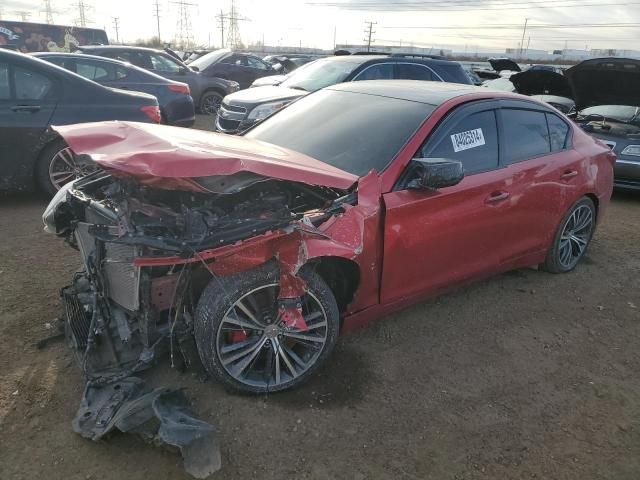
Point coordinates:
pixel 466 140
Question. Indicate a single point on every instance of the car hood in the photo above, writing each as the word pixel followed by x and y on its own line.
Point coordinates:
pixel 605 81
pixel 500 64
pixel 270 80
pixel 541 82
pixel 263 94
pixel 167 157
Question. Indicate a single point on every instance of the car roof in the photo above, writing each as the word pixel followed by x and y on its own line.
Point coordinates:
pixel 120 47
pixel 431 93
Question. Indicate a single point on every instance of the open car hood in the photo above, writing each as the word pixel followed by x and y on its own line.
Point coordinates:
pixel 186 159
pixel 605 81
pixel 541 82
pixel 500 64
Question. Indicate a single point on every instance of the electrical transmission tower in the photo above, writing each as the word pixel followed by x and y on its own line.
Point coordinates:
pixel 82 19
pixel 368 34
pixel 24 16
pixel 156 8
pixel 48 11
pixel 233 33
pixel 116 25
pixel 184 37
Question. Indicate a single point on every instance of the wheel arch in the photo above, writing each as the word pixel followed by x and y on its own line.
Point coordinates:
pixel 342 275
pixel 596 201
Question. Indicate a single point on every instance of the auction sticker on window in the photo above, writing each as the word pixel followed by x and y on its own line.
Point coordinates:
pixel 466 140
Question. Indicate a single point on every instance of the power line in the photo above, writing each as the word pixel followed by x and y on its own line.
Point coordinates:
pixel 116 24
pixel 515 26
pixel 24 16
pixel 48 11
pixel 454 6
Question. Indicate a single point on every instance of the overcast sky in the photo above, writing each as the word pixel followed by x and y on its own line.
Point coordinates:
pixel 312 22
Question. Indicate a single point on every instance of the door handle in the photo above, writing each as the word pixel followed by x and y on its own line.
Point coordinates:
pixel 26 108
pixel 497 197
pixel 568 174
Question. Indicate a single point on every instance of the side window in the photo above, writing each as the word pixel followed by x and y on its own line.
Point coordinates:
pixel 472 141
pixel 5 88
pixel 381 71
pixel 408 71
pixel 256 63
pixel 558 132
pixel 525 135
pixel 161 63
pixel 238 60
pixel 30 85
pixel 94 71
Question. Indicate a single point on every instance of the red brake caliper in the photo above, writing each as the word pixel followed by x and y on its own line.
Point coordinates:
pixel 290 311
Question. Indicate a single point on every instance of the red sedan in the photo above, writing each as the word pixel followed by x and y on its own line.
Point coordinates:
pixel 349 204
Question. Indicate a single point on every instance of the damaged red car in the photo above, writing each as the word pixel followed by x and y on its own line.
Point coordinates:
pixel 353 202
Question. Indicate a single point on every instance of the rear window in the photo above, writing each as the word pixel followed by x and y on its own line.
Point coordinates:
pixel 351 131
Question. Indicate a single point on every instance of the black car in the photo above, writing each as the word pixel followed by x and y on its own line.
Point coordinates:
pixel 608 107
pixel 243 68
pixel 176 103
pixel 241 110
pixel 207 91
pixel 35 94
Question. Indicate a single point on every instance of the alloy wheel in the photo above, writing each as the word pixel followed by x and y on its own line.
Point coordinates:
pixel 258 349
pixel 65 167
pixel 211 104
pixel 575 236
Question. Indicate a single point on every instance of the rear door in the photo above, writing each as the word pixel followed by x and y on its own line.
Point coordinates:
pixel 28 98
pixel 435 239
pixel 257 68
pixel 545 171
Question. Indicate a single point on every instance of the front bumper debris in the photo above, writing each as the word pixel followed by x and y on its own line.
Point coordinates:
pixel 160 415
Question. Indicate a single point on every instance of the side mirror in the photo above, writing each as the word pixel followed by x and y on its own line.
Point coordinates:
pixel 434 173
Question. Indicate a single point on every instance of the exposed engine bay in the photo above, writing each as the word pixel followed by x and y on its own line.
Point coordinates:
pixel 607 126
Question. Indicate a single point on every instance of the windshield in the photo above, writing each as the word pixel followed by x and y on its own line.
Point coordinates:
pixel 209 59
pixel 622 113
pixel 354 132
pixel 320 74
pixel 502 84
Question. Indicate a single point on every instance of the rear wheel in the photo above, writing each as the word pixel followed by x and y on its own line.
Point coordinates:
pixel 210 102
pixel 573 237
pixel 58 165
pixel 243 341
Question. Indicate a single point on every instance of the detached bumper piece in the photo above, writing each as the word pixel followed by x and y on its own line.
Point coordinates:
pixel 160 415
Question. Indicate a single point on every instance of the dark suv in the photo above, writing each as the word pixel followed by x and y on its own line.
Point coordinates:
pixel 243 68
pixel 241 110
pixel 207 91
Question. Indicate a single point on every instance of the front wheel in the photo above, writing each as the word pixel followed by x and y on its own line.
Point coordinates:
pixel 243 340
pixel 210 103
pixel 58 165
pixel 572 238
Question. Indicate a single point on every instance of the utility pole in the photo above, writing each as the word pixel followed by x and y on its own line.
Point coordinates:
pixel 524 31
pixel 156 4
pixel 335 32
pixel 48 11
pixel 221 18
pixel 116 24
pixel 368 32
pixel 82 19
pixel 24 16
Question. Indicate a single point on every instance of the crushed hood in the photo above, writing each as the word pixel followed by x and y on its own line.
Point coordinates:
pixel 541 82
pixel 605 81
pixel 500 64
pixel 268 93
pixel 166 156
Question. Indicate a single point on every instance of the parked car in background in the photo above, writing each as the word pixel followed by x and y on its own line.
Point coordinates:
pixel 176 104
pixel 35 94
pixel 276 79
pixel 241 110
pixel 207 91
pixel 352 203
pixel 608 107
pixel 543 84
pixel 243 68
pixel 40 37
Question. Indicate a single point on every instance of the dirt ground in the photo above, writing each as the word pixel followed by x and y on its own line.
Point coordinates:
pixel 524 376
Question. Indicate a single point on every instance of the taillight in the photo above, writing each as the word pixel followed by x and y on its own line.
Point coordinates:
pixel 180 88
pixel 153 112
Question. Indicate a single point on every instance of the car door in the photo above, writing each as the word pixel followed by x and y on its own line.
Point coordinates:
pixel 435 239
pixel 28 99
pixel 257 68
pixel 544 171
pixel 233 67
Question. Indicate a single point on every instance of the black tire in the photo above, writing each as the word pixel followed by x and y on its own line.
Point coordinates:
pixel 208 96
pixel 554 262
pixel 221 295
